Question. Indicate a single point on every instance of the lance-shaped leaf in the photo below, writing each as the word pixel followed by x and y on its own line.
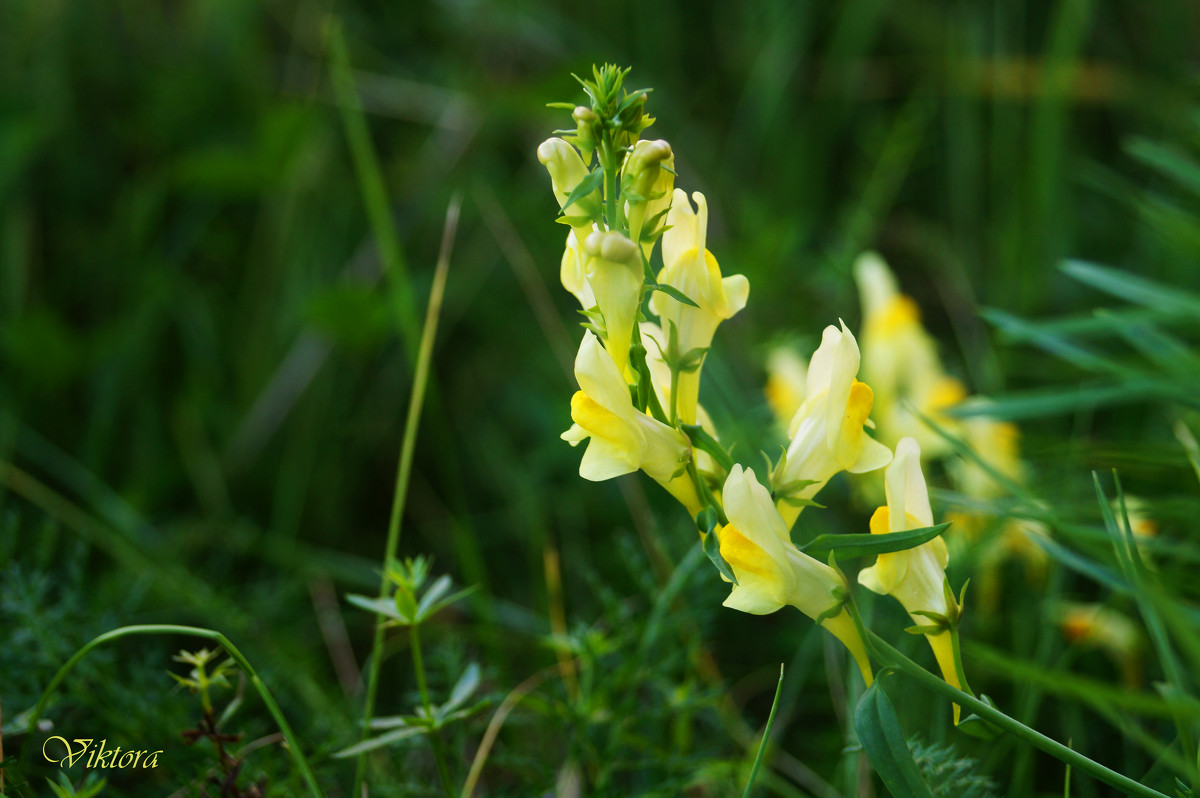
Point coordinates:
pixel 849 546
pixel 883 740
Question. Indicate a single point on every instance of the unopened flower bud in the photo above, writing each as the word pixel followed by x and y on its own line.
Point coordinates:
pixel 615 275
pixel 567 169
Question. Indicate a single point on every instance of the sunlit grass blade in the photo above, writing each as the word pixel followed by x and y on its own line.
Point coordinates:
pixel 404 469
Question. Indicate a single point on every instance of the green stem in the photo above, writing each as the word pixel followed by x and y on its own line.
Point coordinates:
pixel 293 743
pixel 400 493
pixel 608 160
pixel 435 732
pixel 890 657
pixel 958 663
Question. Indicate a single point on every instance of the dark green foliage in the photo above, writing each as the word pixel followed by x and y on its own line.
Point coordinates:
pixel 203 371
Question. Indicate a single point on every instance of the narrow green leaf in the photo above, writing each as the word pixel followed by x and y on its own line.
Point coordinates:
pixel 382 606
pixel 707 443
pixel 849 546
pixel 712 548
pixel 1138 290
pixel 766 736
pixel 585 187
pixel 707 519
pixel 883 740
pixel 674 293
pixel 381 741
pixel 434 609
pixel 466 685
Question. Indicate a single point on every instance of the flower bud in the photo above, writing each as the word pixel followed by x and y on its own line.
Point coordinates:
pixel 615 274
pixel 585 131
pixel 567 169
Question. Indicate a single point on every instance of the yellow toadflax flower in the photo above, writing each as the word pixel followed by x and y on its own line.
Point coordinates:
pixel 692 270
pixel 615 276
pixel 623 439
pixel 915 577
pixel 900 361
pixel 827 431
pixel 771 572
pixel 573 272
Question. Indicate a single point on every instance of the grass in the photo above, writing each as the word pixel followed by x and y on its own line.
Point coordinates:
pixel 218 224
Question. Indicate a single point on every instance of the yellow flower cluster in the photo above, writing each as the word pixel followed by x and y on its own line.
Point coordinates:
pixel 638 408
pixel 912 389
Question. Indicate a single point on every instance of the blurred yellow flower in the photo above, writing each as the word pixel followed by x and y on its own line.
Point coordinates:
pixel 691 269
pixel 915 577
pixel 623 439
pixel 771 572
pixel 787 375
pixel 998 467
pixel 1107 629
pixel 827 431
pixel 901 363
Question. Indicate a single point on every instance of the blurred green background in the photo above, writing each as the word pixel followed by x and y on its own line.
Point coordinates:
pixel 204 372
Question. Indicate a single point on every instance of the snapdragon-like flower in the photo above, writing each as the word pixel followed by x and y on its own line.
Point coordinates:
pixel 771 572
pixel 660 379
pixel 915 577
pixel 573 272
pixel 623 439
pixel 901 362
pixel 615 276
pixel 827 431
pixel 692 270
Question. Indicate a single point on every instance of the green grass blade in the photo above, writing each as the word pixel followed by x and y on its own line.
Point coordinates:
pixel 407 448
pixel 766 736
pixel 370 182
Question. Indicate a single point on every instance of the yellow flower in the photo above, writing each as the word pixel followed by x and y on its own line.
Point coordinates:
pixel 567 169
pixel 692 269
pixel 660 378
pixel 771 572
pixel 901 363
pixel 1110 631
pixel 787 375
pixel 623 439
pixel 827 431
pixel 573 272
pixel 615 275
pixel 646 178
pixel 996 444
pixel 915 577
